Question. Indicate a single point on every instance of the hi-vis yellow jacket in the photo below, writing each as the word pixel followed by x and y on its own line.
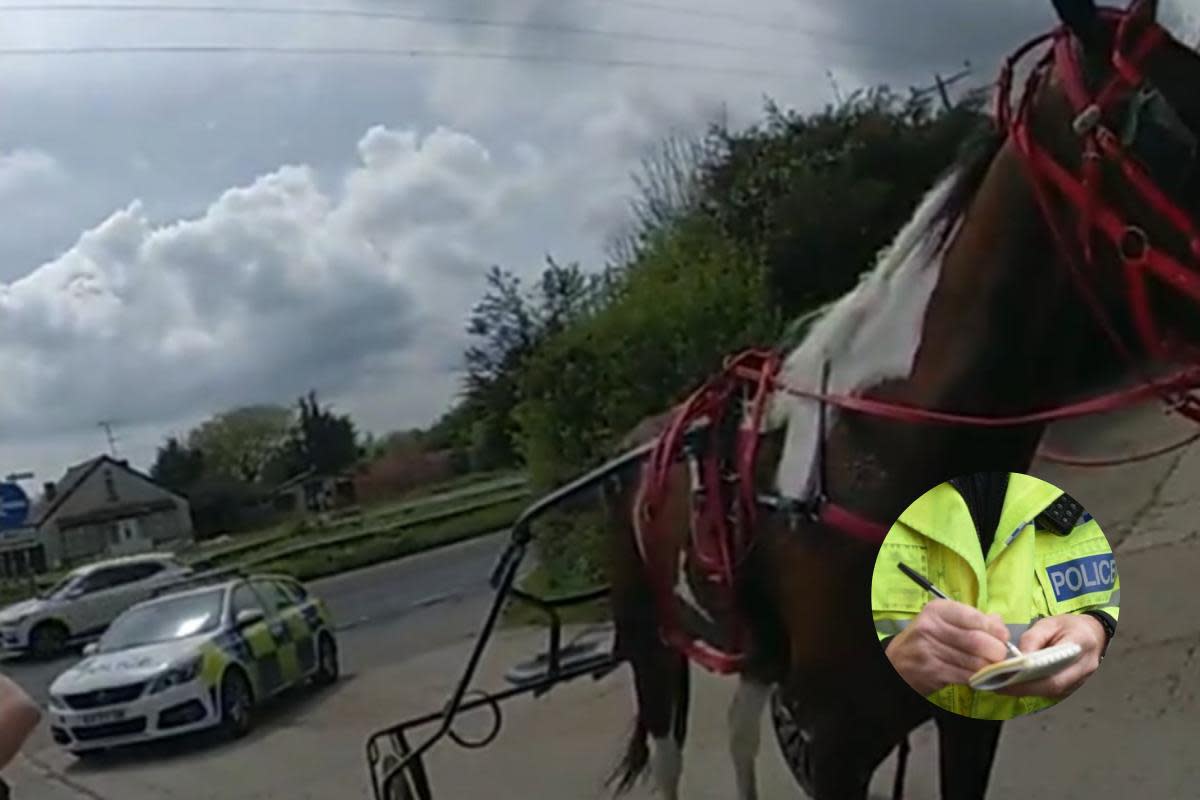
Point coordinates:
pixel 1029 573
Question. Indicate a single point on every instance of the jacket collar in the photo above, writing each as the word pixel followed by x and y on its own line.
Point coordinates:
pixel 942 516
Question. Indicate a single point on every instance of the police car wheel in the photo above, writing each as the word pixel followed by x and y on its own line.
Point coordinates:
pixel 327 661
pixel 237 702
pixel 48 639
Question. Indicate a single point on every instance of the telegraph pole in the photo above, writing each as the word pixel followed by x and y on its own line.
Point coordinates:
pixel 107 427
pixel 942 85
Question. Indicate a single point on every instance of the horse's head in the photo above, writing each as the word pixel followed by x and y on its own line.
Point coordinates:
pixel 1110 132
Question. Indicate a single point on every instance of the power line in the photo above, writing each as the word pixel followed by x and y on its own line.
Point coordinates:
pixel 384 52
pixel 549 27
pixel 400 16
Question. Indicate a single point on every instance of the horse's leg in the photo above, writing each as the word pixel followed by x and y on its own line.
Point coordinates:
pixel 745 732
pixel 966 749
pixel 660 673
pixel 661 680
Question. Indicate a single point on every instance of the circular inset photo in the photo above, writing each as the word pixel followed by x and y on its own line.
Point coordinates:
pixel 995 595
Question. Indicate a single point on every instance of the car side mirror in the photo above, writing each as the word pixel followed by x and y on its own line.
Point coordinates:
pixel 91 648
pixel 248 617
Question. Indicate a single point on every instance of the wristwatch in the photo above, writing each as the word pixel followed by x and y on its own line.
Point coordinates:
pixel 1109 625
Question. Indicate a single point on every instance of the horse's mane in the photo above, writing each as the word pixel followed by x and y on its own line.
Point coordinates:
pixel 975 157
pixel 931 225
pixel 870 335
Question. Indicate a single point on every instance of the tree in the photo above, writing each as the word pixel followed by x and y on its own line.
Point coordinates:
pixel 177 466
pixel 320 440
pixel 508 324
pixel 239 443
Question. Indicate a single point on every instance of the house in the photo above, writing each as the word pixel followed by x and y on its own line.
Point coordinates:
pixel 21 553
pixel 104 507
pixel 311 492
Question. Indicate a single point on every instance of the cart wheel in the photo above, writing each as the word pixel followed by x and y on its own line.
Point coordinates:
pixel 793 742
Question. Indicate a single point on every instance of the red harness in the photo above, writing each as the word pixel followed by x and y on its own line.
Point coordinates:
pixel 722 523
pixel 1137 37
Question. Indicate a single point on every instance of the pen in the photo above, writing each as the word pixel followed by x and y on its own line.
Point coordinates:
pixel 925 584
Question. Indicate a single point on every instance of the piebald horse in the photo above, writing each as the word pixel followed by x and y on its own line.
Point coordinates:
pixel 1004 295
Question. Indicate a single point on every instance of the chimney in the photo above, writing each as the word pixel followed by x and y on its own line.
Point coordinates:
pixel 50 491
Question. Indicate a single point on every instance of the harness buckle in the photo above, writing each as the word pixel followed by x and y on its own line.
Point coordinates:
pixel 1134 245
pixel 1087 120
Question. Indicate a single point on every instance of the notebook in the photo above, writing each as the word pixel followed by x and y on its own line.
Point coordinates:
pixel 1028 667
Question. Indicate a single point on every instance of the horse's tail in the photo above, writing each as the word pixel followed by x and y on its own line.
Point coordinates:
pixel 633 764
pixel 637 752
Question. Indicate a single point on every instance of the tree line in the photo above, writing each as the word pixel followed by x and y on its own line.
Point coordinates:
pixel 732 235
pixel 230 462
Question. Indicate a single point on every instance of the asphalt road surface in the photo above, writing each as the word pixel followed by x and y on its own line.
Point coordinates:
pixel 384 613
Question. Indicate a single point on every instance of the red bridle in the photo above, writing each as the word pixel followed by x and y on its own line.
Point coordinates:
pixel 718 547
pixel 1136 39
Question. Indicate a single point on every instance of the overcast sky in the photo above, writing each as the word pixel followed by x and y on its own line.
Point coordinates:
pixel 189 232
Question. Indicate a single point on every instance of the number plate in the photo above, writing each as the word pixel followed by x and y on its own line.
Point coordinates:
pixel 102 717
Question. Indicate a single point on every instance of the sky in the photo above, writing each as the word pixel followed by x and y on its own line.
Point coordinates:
pixel 189 232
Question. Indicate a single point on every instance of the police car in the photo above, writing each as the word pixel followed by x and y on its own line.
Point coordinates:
pixel 197 658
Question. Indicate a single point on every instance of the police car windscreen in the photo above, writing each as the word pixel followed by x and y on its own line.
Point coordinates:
pixel 164 620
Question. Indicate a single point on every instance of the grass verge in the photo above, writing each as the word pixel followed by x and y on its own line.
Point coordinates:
pixel 389 545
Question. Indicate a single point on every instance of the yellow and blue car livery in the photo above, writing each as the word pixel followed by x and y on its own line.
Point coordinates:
pixel 191 660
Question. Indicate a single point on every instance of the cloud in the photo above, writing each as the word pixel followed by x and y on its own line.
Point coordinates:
pixel 277 286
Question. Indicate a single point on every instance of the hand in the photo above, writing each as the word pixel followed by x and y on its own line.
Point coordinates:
pixel 19 715
pixel 1082 629
pixel 947 643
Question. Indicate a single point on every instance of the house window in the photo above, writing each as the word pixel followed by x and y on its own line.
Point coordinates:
pixel 110 486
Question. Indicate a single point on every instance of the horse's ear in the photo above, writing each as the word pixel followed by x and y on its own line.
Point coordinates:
pixel 1083 19
pixel 1146 9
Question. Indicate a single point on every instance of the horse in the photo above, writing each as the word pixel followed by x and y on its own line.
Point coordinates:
pixel 1006 293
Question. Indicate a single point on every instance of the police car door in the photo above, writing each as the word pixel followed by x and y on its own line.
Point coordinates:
pixel 260 642
pixel 293 639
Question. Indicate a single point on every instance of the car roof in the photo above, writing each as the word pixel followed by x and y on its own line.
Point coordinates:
pixel 223 578
pixel 141 558
pixel 223 586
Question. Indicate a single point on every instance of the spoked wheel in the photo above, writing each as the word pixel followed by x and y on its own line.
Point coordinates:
pixel 237 704
pixel 793 741
pixel 327 661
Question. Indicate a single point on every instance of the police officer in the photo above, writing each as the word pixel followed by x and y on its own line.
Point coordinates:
pixel 1022 562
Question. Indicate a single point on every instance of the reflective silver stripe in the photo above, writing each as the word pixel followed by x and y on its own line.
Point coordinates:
pixel 1114 599
pixel 1013 535
pixel 890 627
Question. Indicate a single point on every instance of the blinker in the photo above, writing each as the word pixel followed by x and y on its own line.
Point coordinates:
pixel 1154 132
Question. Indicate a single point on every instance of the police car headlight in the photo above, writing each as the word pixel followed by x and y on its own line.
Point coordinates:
pixel 176 675
pixel 57 703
